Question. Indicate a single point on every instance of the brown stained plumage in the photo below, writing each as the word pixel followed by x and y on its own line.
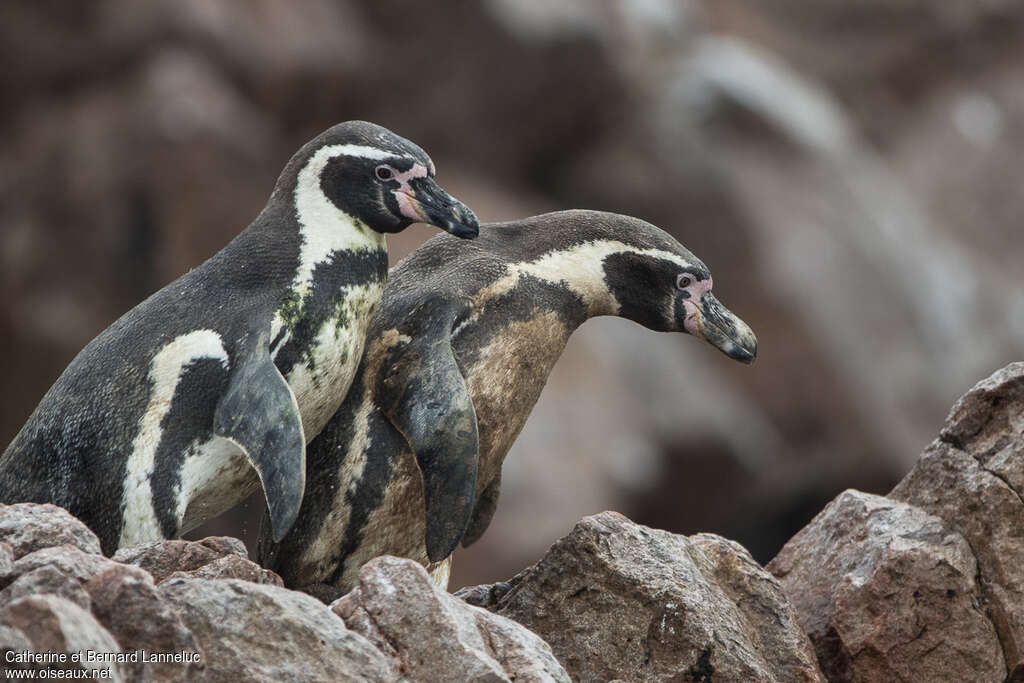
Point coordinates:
pixel 506 382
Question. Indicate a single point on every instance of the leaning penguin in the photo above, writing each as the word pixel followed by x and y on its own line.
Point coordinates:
pixel 211 387
pixel 456 357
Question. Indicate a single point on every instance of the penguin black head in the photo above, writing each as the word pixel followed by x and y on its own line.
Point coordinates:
pixel 661 285
pixel 377 177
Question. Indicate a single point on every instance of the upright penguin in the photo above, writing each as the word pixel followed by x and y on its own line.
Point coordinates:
pixel 213 385
pixel 456 357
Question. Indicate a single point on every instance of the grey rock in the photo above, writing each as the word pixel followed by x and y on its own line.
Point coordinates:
pixel 54 625
pixel 58 570
pixel 28 527
pixel 6 559
pixel 252 632
pixel 12 641
pixel 127 603
pixel 47 579
pixel 888 592
pixel 66 558
pixel 433 634
pixel 617 600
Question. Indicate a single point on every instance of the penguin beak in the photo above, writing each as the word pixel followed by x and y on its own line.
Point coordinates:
pixel 721 328
pixel 428 203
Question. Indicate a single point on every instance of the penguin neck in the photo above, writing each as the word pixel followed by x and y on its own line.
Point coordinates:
pixel 324 229
pixel 578 269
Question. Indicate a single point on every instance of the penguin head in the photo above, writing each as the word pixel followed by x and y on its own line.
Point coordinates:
pixel 377 177
pixel 658 283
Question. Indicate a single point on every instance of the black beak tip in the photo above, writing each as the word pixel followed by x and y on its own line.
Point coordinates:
pixel 466 232
pixel 744 354
pixel 467 228
pixel 745 357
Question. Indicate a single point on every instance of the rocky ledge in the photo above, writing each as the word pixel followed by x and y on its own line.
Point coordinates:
pixel 926 583
pixel 612 600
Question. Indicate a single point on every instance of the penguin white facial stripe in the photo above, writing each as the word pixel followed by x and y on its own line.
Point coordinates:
pixel 140 521
pixel 324 227
pixel 580 267
pixel 361 151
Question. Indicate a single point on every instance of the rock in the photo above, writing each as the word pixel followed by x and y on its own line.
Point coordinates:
pixel 232 567
pixel 887 592
pixel 248 631
pixel 433 634
pixel 55 625
pixel 28 527
pixel 617 600
pixel 988 424
pixel 972 477
pixel 46 580
pixel 12 641
pixel 66 558
pixel 59 570
pixel 6 559
pixel 163 558
pixel 128 604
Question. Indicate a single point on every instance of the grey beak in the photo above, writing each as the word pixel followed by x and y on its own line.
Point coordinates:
pixel 438 208
pixel 725 331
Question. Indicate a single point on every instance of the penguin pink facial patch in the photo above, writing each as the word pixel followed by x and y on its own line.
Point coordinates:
pixel 693 322
pixel 405 195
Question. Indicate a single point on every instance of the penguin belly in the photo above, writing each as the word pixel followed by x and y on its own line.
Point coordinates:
pixel 186 378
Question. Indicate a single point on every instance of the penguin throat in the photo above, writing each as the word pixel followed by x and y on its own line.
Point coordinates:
pixel 324 229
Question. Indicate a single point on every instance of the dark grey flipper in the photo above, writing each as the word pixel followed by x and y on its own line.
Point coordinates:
pixel 260 414
pixel 425 397
pixel 486 504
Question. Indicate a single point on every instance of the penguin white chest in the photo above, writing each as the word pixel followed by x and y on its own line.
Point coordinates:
pixel 331 355
pixel 339 281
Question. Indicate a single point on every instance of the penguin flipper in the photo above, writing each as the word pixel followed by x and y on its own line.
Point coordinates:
pixel 259 413
pixel 483 511
pixel 426 399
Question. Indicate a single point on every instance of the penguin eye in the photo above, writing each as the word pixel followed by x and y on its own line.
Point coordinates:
pixel 683 281
pixel 384 173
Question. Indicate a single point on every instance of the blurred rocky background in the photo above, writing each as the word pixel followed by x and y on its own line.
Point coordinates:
pixel 851 172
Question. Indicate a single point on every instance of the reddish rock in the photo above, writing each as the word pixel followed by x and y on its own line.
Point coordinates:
pixel 887 592
pixel 232 567
pixel 28 527
pixel 163 558
pixel 616 600
pixel 972 477
pixel 126 602
pixel 432 634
